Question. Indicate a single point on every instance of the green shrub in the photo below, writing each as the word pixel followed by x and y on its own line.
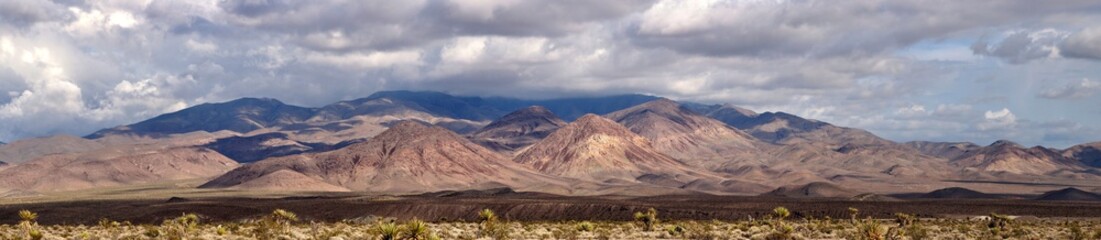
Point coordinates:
pixel 648 218
pixel 491 227
pixel 781 213
pixel 387 231
pixel 674 230
pixel 870 229
pixel 585 226
pixel 417 230
pixel 181 227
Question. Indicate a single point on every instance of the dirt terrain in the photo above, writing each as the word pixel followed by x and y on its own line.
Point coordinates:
pixel 451 206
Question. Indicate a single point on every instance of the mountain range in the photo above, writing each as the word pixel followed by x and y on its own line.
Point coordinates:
pixel 404 142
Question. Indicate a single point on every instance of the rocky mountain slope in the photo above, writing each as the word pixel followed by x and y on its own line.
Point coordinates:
pixel 596 149
pixel 408 158
pixel 1088 154
pixel 518 129
pixel 245 149
pixel 30 149
pixel 1009 157
pixel 410 142
pixel 784 128
pixel 686 135
pixel 947 150
pixel 114 166
pixel 241 115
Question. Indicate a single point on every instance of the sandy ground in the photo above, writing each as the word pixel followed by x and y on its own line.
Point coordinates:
pixel 154 203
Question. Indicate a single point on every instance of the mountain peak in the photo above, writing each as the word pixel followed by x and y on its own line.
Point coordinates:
pixel 518 129
pixel 412 129
pixel 408 157
pixel 535 109
pixel 410 125
pixel 528 112
pixel 740 110
pixel 595 123
pixel 682 133
pixel 1005 143
pixel 256 100
pixel 596 148
pixel 1069 194
pixel 662 103
pixel 591 118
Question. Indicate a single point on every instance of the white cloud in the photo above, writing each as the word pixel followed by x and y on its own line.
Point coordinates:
pixel 201 47
pixel 998 120
pixel 1075 90
pixel 915 110
pixel 464 50
pixel 54 103
pixel 122 19
pixel 363 61
pixel 680 17
pixel 1021 46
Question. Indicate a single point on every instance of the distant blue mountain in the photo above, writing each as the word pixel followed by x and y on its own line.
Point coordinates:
pixel 248 114
pixel 478 108
pixel 241 115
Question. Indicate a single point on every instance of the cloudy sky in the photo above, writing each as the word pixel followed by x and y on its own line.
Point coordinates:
pixel 946 70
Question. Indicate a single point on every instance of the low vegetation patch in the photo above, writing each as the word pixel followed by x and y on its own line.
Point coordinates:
pixel 282 224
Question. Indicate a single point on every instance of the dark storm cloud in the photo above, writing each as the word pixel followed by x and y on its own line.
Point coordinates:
pixel 104 63
pixel 825 28
pixel 1084 44
pixel 345 26
pixel 526 18
pixel 23 13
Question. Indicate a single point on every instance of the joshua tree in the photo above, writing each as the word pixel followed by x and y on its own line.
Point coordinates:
pixel 782 231
pixel 276 223
pixel 648 219
pixel 181 227
pixel 387 230
pixel 870 229
pixel 903 219
pixel 284 216
pixel 27 216
pixel 416 230
pixel 781 212
pixel 999 225
pixel 853 212
pixel 487 215
pixel 490 226
pixel 29 224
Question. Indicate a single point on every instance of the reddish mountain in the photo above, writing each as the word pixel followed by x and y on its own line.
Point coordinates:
pixel 29 149
pixel 112 167
pixel 1009 157
pixel 408 158
pixel 684 134
pixel 597 149
pixel 518 129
